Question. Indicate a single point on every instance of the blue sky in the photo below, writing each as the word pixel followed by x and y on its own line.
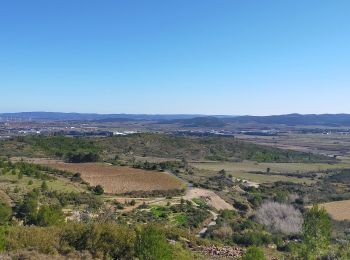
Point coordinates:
pixel 184 56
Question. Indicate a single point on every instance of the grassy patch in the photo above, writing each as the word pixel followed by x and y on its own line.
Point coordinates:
pixel 199 202
pixel 181 219
pixel 159 211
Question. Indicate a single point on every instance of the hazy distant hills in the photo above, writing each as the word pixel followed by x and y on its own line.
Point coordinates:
pixel 204 121
pixel 193 120
pixel 58 116
pixel 290 120
pixel 297 119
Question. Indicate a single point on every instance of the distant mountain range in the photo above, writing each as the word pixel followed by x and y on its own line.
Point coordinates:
pixel 59 116
pixel 192 120
pixel 297 119
pixel 289 120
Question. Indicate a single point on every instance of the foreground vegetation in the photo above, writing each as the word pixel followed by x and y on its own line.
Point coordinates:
pixel 51 211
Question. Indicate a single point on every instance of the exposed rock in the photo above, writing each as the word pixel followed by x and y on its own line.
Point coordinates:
pixel 226 251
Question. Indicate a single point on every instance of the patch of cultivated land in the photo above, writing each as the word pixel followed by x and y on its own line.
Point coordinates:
pixel 339 210
pixel 317 143
pixel 249 166
pixel 118 179
pixel 245 170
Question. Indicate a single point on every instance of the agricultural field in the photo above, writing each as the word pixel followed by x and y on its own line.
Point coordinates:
pixel 281 168
pixel 119 179
pixel 339 210
pixel 329 144
pixel 262 172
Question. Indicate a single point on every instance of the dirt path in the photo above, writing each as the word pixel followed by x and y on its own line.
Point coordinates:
pixel 212 223
pixel 211 198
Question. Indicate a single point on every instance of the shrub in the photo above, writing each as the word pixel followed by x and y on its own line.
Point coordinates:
pixel 225 232
pixel 278 217
pixel 3 234
pixel 254 253
pixel 151 244
pixel 5 214
pixel 316 233
pixel 44 186
pixel 77 177
pixel 252 238
pixel 255 199
pixel 43 240
pixel 81 157
pixel 49 215
pixel 98 190
pixel 27 210
pixel 240 205
pixel 103 240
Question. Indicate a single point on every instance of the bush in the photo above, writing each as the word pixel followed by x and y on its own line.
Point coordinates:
pixel 253 238
pixel 82 157
pixel 240 205
pixel 27 209
pixel 278 217
pixel 43 240
pixel 2 238
pixel 98 190
pixel 316 233
pixel 49 215
pixel 5 214
pixel 103 241
pixel 255 199
pixel 76 198
pixel 254 253
pixel 44 186
pixel 151 244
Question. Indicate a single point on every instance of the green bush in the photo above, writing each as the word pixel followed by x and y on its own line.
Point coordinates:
pixel 253 238
pixel 151 244
pixel 43 240
pixel 44 187
pixel 316 233
pixel 81 157
pixel 98 190
pixel 5 214
pixel 3 230
pixel 27 209
pixel 254 253
pixel 49 216
pixel 105 240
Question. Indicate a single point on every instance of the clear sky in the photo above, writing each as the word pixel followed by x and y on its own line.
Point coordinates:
pixel 184 56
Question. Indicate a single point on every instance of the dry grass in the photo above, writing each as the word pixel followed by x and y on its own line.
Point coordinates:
pixel 339 210
pixel 119 179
